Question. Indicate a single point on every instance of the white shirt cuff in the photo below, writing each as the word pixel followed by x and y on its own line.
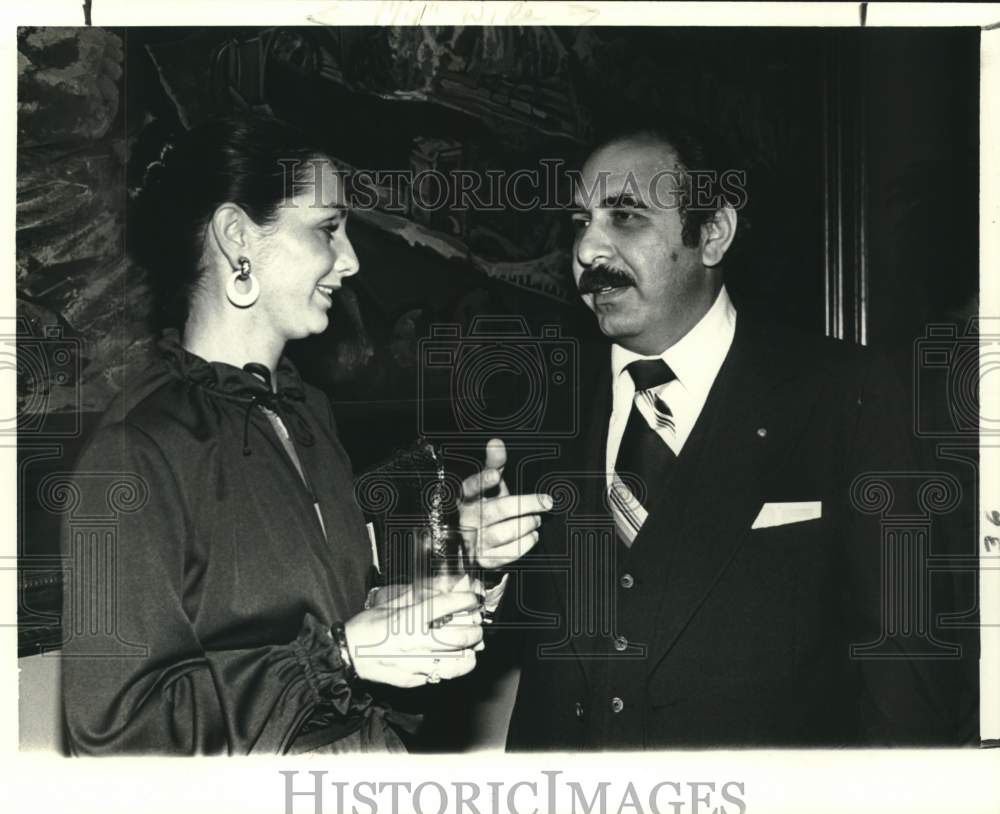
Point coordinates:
pixel 492 597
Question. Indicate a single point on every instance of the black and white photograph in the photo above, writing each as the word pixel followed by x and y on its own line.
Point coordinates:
pixel 484 387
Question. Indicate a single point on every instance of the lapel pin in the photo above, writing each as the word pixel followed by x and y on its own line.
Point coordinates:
pixel 762 432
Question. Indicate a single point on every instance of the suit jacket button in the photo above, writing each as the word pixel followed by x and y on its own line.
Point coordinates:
pixel 626 581
pixel 579 709
pixel 621 643
pixel 617 705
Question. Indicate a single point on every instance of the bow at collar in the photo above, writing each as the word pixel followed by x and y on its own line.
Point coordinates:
pixel 279 402
pixel 250 385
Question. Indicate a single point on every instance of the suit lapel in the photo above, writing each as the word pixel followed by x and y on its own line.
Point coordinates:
pixel 584 468
pixel 704 514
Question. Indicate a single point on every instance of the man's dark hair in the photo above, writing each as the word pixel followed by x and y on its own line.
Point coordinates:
pixel 699 153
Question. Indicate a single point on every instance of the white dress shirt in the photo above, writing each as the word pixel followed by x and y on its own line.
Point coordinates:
pixel 695 359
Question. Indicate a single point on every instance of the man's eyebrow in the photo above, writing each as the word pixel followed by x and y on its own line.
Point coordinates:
pixel 621 200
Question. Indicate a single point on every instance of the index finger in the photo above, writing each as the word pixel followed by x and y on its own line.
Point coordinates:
pixel 496 454
pixel 476 484
pixel 496 458
pixel 491 474
pixel 510 506
pixel 449 603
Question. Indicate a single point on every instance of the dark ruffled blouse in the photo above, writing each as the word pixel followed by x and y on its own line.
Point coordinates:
pixel 197 617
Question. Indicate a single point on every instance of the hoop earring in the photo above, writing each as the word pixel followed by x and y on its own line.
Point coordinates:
pixel 236 297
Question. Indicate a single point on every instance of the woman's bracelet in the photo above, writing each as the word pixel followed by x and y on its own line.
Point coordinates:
pixel 339 635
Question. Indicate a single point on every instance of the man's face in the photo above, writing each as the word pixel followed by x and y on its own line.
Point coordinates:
pixel 645 286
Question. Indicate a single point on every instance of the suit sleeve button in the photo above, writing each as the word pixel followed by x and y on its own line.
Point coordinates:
pixel 578 708
pixel 626 581
pixel 621 643
pixel 617 705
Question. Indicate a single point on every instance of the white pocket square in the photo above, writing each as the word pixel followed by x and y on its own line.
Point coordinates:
pixel 781 514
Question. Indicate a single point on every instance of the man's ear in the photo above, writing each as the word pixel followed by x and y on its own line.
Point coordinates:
pixel 717 235
pixel 229 229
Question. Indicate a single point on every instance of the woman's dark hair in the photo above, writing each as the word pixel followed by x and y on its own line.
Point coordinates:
pixel 247 160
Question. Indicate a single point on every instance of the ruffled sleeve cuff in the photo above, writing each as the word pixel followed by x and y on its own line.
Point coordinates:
pixel 326 673
pixel 342 707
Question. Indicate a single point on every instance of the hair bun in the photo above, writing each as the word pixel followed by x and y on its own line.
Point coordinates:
pixel 154 169
pixel 166 150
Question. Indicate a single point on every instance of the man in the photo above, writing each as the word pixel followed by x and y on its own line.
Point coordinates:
pixel 711 575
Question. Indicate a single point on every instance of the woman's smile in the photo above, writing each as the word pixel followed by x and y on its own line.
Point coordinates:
pixel 326 292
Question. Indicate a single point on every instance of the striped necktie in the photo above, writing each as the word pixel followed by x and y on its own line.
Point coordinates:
pixel 643 457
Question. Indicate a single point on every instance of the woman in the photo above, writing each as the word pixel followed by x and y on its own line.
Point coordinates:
pixel 234 573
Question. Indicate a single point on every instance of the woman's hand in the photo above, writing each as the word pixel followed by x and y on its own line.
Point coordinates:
pixel 395 642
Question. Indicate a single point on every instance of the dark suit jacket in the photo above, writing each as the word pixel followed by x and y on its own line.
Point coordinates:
pixel 734 636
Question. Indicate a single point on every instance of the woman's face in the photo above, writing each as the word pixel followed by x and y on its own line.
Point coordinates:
pixel 303 257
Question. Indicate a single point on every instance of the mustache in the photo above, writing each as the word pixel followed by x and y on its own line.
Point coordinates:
pixel 594 278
